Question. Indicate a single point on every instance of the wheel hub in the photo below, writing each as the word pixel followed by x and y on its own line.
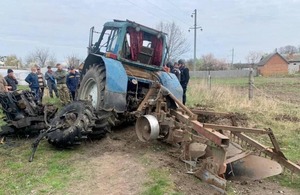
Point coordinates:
pixel 91 91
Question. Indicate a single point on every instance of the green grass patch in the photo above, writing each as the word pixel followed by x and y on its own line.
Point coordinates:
pixel 23 87
pixel 54 101
pixel 286 180
pixel 49 173
pixel 159 183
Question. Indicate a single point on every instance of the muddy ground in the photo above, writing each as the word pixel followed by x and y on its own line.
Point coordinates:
pixel 120 164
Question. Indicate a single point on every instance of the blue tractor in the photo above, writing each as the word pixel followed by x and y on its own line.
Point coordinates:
pixel 123 80
pixel 120 69
pixel 123 64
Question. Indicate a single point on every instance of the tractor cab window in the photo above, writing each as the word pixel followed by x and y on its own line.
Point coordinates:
pixel 109 41
pixel 143 47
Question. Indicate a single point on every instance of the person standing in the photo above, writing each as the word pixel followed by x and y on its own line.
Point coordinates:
pixel 3 84
pixel 61 77
pixel 166 67
pixel 33 81
pixel 175 70
pixel 184 78
pixel 11 80
pixel 42 83
pixel 73 79
pixel 51 82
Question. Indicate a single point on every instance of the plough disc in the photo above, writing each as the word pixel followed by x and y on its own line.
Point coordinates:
pixel 252 167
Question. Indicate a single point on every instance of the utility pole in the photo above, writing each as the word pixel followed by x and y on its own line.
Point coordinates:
pixel 195 27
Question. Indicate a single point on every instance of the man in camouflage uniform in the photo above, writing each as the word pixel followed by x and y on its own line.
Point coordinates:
pixel 61 77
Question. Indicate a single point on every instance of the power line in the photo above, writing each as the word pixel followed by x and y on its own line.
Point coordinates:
pixel 166 13
pixel 143 9
pixel 178 7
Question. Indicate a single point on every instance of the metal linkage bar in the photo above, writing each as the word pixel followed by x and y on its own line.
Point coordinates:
pixel 214 136
pixel 210 113
pixel 236 129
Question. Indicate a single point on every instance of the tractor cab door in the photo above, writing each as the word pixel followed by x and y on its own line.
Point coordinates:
pixel 107 43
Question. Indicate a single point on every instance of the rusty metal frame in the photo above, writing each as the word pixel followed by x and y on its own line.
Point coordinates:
pixel 214 136
pixel 274 153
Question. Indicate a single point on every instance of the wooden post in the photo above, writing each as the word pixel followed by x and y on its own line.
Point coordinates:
pixel 209 80
pixel 251 82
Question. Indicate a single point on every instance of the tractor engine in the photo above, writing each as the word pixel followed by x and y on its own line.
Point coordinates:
pixel 23 114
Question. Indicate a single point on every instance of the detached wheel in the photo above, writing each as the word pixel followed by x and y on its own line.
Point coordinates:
pixel 92 88
pixel 71 124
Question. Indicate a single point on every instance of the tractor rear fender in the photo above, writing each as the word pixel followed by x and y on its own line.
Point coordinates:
pixel 116 81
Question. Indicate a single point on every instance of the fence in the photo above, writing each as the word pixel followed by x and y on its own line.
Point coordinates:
pixel 222 73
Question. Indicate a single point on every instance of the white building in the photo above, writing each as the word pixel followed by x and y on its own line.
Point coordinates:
pixel 294 62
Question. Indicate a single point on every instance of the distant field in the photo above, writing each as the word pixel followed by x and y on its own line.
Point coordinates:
pixel 282 88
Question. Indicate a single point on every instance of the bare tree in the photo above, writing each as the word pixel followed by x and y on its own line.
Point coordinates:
pixel 177 42
pixel 73 60
pixel 39 57
pixel 254 57
pixel 288 49
pixel 30 60
pixel 51 61
pixel 211 63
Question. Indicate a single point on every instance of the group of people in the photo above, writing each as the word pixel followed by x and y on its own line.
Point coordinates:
pixel 62 83
pixel 65 84
pixel 181 72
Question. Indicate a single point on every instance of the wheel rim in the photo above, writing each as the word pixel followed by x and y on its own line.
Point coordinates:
pixel 90 91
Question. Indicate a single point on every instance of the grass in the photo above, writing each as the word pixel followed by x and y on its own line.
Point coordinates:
pixel 23 87
pixel 47 174
pixel 230 95
pixel 159 183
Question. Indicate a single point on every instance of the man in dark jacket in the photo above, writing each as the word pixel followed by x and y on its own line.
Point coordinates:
pixel 33 81
pixel 184 78
pixel 73 79
pixel 51 82
pixel 11 80
pixel 175 70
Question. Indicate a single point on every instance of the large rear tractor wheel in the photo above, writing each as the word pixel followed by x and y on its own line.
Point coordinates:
pixel 92 88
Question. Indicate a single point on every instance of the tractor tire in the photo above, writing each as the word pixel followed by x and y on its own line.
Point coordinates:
pixel 93 86
pixel 74 132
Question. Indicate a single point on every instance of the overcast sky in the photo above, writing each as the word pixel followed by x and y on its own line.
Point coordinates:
pixel 62 26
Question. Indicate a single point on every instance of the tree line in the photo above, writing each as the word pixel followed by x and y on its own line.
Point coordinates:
pixel 41 57
pixel 177 47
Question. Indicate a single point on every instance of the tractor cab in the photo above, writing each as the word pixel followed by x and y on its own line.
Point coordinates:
pixel 130 43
